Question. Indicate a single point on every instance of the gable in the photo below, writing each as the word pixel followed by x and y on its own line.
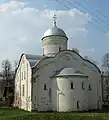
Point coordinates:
pixel 72 54
pixel 67 55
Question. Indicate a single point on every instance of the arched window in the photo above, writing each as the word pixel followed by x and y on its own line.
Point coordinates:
pixel 90 87
pixel 23 90
pixel 45 87
pixel 83 85
pixel 50 94
pixel 72 85
pixel 24 74
pixel 78 104
pixel 59 48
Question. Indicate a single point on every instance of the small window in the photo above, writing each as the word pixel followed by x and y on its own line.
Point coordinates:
pixel 45 87
pixel 24 74
pixel 72 85
pixel 78 104
pixel 23 90
pixel 50 94
pixel 90 88
pixel 83 85
pixel 59 48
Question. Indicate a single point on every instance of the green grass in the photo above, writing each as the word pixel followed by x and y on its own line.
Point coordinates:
pixel 16 114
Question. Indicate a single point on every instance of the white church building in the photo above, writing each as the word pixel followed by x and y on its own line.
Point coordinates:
pixel 58 80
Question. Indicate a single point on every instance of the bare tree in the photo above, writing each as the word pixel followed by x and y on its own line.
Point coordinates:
pixel 7 69
pixel 105 62
pixel 75 50
pixel 6 72
pixel 105 69
pixel 15 65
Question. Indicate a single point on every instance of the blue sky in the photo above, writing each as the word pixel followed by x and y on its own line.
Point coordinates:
pixel 18 36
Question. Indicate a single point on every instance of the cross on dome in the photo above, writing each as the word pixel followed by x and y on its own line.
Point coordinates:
pixel 54 20
pixel 54 31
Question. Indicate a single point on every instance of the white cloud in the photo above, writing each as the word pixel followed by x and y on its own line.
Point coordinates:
pixel 91 50
pixel 21 28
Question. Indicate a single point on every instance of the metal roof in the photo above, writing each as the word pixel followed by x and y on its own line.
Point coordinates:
pixel 54 31
pixel 69 72
pixel 33 59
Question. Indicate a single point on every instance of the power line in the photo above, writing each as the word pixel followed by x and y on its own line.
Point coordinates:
pixel 92 12
pixel 98 11
pixel 83 17
pixel 88 11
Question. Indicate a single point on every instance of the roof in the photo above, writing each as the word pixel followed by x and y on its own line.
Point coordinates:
pixel 70 72
pixel 36 59
pixel 43 58
pixel 33 59
pixel 33 62
pixel 67 71
pixel 54 31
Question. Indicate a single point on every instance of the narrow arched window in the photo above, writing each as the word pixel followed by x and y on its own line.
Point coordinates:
pixel 23 90
pixel 83 85
pixel 78 104
pixel 90 87
pixel 50 94
pixel 59 48
pixel 45 87
pixel 72 85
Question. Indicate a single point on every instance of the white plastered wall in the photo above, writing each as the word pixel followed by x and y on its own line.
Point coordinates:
pixel 65 98
pixel 51 45
pixel 23 77
pixel 49 66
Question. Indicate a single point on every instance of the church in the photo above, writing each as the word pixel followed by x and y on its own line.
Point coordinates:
pixel 58 80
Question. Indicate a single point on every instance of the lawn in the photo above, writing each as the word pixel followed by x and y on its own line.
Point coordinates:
pixel 16 114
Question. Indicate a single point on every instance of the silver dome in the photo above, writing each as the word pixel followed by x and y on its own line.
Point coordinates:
pixel 55 31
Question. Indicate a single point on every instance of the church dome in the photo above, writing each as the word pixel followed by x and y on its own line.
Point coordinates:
pixel 54 31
